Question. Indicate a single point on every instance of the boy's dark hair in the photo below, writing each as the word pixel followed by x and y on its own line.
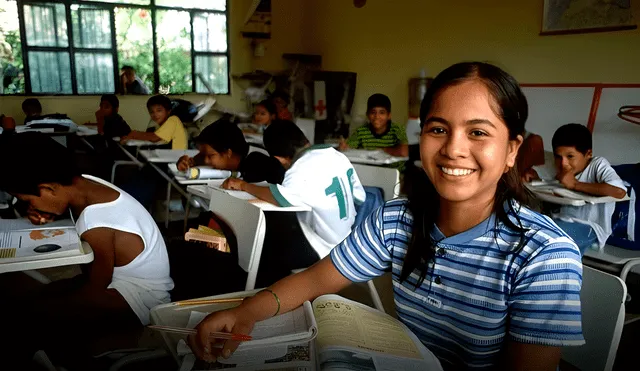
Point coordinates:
pixel 378 100
pixel 31 106
pixel 112 99
pixel 269 106
pixel 223 135
pixel 159 100
pixel 282 95
pixel 41 160
pixel 572 135
pixel 127 67
pixel 284 138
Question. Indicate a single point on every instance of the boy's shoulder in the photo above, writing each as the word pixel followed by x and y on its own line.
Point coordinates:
pixel 174 119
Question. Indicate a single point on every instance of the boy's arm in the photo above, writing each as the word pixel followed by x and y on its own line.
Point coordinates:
pixel 606 182
pixel 600 189
pixel 401 150
pixel 139 135
pixel 263 193
pixel 102 242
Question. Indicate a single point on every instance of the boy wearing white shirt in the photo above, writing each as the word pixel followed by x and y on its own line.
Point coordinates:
pixel 317 176
pixel 578 170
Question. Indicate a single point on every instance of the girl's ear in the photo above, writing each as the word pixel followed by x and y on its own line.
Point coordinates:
pixel 512 152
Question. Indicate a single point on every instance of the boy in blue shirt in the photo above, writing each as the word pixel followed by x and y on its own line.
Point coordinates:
pixel 579 170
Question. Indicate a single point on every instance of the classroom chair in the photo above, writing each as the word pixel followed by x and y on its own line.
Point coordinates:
pixel 385 178
pixel 602 297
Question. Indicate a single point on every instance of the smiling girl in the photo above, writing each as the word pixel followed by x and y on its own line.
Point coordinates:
pixel 483 281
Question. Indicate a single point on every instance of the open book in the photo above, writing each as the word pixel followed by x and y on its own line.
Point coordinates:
pixel 22 241
pixel 350 336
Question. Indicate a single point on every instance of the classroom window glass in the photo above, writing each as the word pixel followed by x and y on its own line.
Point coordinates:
pixel 94 73
pixel 134 39
pixel 195 4
pixel 50 72
pixel 173 34
pixel 80 46
pixel 11 63
pixel 46 25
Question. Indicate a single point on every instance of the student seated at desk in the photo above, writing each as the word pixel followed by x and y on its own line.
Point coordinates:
pixel 110 123
pixel 221 145
pixel 128 276
pixel 317 176
pixel 32 109
pixel 578 170
pixel 170 128
pixel 281 100
pixel 484 282
pixel 380 132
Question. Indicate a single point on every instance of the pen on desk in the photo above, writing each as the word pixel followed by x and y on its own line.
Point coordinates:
pixel 20 242
pixel 212 335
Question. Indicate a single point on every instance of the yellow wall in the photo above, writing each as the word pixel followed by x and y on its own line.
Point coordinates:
pixel 133 108
pixel 386 42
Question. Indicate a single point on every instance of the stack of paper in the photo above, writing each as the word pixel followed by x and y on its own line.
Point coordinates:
pixel 22 241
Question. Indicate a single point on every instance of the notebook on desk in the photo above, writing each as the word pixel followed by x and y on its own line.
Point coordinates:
pixel 22 241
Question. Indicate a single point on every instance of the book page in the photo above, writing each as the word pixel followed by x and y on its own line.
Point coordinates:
pixel 21 244
pixel 353 336
pixel 297 325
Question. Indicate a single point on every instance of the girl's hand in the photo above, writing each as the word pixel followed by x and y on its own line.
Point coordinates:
pixel 234 184
pixel 225 321
pixel 185 162
pixel 125 139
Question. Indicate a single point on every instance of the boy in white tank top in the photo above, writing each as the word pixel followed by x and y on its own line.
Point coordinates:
pixel 128 276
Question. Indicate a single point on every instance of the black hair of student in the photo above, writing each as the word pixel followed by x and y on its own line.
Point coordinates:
pixel 378 100
pixel 573 135
pixel 127 67
pixel 112 99
pixel 223 135
pixel 31 106
pixel 159 100
pixel 511 106
pixel 269 106
pixel 38 160
pixel 280 94
pixel 284 138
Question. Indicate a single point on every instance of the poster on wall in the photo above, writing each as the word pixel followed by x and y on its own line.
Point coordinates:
pixel 581 16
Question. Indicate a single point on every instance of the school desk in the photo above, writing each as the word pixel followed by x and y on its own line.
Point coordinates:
pixel 543 191
pixel 245 217
pixel 166 156
pixel 372 157
pixel 44 262
pixel 175 315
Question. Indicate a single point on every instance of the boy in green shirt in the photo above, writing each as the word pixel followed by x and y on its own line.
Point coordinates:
pixel 380 132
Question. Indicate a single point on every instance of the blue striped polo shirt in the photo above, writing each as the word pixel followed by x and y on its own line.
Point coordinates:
pixel 478 291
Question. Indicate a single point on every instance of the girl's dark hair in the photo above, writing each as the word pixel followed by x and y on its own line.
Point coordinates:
pixel 269 106
pixel 223 135
pixel 511 106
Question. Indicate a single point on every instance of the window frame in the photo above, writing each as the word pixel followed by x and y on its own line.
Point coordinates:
pixel 71 49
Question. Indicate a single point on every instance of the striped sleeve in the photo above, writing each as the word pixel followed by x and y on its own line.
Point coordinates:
pixel 354 140
pixel 545 302
pixel 363 255
pixel 401 134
